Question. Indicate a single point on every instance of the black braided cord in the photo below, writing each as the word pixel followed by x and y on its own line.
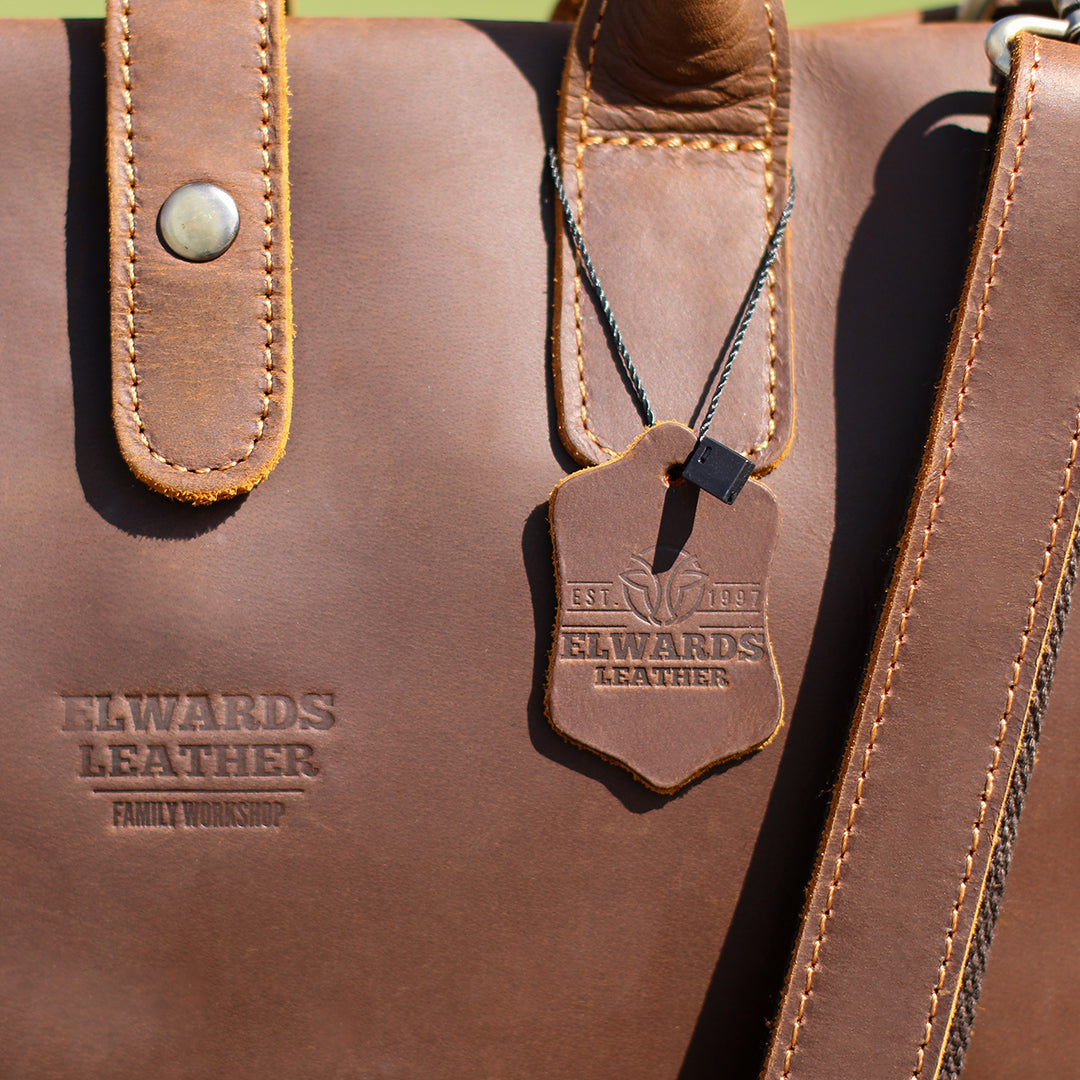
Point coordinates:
pixel 986 920
pixel 776 238
pixel 601 297
pixel 773 249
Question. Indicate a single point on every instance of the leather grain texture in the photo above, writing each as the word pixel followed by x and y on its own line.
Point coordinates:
pixel 202 352
pixel 456 892
pixel 673 137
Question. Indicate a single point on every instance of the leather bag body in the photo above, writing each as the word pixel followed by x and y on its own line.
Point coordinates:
pixel 428 882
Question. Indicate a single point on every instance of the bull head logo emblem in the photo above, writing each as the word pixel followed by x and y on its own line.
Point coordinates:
pixel 667 598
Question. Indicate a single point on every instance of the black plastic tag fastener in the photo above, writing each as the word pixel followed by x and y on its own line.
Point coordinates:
pixel 717 469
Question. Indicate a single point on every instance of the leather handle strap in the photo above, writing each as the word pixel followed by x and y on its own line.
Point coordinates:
pixel 885 937
pixel 201 350
pixel 688 66
pixel 673 140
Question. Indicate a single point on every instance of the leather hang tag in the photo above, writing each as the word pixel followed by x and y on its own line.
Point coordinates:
pixel 661 659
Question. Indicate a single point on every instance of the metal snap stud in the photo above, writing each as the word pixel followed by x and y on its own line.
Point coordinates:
pixel 198 222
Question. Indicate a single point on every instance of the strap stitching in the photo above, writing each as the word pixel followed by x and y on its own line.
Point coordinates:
pixel 995 754
pixel 676 142
pixel 857 800
pixel 1010 696
pixel 579 169
pixel 770 117
pixel 130 242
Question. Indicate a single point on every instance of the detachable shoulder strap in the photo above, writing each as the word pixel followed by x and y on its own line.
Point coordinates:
pixel 964 645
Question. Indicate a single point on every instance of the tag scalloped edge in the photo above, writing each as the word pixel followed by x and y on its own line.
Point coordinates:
pixel 728 759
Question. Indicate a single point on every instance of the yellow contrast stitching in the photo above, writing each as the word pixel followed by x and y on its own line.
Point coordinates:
pixel 677 142
pixel 856 802
pixel 1010 695
pixel 268 219
pixel 579 168
pixel 995 754
pixel 268 304
pixel 770 118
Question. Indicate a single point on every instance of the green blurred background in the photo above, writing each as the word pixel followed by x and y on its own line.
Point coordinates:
pixel 800 12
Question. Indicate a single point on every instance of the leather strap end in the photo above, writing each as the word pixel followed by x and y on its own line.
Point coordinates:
pixel 201 350
pixel 673 139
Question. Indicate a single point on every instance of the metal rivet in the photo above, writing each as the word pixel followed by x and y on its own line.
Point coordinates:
pixel 198 222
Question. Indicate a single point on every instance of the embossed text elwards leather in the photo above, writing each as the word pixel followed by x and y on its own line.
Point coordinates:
pixel 323 826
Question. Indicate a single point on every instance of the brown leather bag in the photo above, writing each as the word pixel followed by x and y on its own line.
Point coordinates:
pixel 280 795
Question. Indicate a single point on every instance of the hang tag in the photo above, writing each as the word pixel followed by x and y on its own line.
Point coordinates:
pixel 661 659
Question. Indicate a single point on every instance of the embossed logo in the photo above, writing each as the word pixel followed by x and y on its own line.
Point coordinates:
pixel 719 623
pixel 198 760
pixel 666 598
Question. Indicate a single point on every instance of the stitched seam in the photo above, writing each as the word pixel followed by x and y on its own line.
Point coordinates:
pixel 770 118
pixel 131 199
pixel 995 753
pixel 677 142
pixel 1010 694
pixel 856 802
pixel 579 168
pixel 268 219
